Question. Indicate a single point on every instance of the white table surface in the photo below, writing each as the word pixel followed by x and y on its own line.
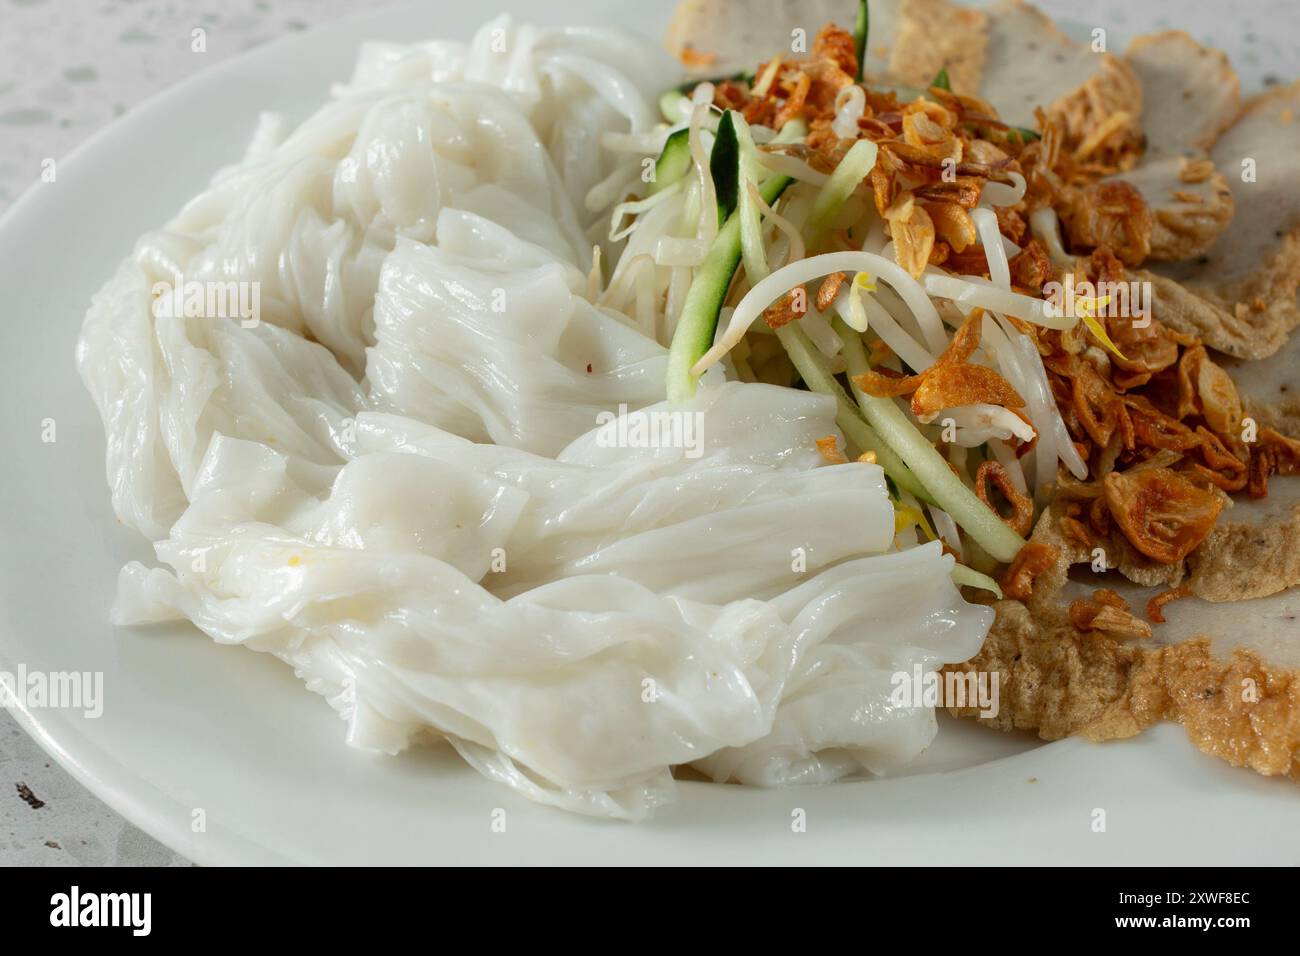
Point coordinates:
pixel 67 67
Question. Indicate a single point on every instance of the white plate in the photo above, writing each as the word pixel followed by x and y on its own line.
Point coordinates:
pixel 188 726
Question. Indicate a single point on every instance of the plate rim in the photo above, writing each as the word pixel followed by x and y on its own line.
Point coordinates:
pixel 139 800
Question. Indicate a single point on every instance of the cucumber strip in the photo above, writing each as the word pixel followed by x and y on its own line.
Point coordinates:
pixel 699 318
pixel 751 220
pixel 792 132
pixel 800 349
pixel 670 106
pixel 963 576
pixel 752 252
pixel 808 363
pixel 861 28
pixel 905 94
pixel 673 162
pixel 687 88
pixel 852 169
pixel 930 468
pixel 724 166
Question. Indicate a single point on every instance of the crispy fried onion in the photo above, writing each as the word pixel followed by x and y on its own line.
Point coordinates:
pixel 1271 453
pixel 796 85
pixel 953 224
pixel 1017 581
pixel 1263 462
pixel 1285 450
pixel 1216 454
pixel 1022 506
pixel 1206 389
pixel 829 449
pixel 1092 403
pixel 1030 268
pixel 787 90
pixel 955 385
pixel 829 289
pixel 1153 408
pixel 912 230
pixel 1105 613
pixel 1110 213
pixel 936 152
pixel 1144 351
pixel 1112 597
pixel 1155 429
pixel 951 382
pixel 783 311
pixel 886 384
pixel 1156 606
pixel 928 126
pixel 1162 513
pixel 837 45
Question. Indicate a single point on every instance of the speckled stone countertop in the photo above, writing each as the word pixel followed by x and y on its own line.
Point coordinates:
pixel 67 67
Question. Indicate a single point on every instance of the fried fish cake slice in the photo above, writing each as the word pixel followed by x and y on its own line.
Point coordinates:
pixel 1190 93
pixel 1191 205
pixel 1226 667
pixel 936 35
pixel 1059 682
pixel 908 42
pixel 1032 65
pixel 1243 290
pixel 1010 55
pixel 730 36
pixel 1270 387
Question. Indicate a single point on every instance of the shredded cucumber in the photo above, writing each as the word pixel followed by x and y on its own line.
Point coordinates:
pixel 812 369
pixel 699 318
pixel 930 468
pixel 969 577
pixel 724 164
pixel 861 29
pixel 853 168
pixel 670 105
pixel 751 221
pixel 791 132
pixel 743 76
pixel 751 233
pixel 674 161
